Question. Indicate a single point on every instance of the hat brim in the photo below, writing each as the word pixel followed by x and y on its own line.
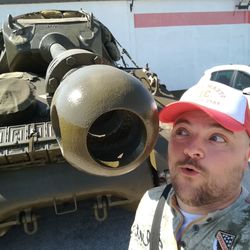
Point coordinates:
pixel 171 112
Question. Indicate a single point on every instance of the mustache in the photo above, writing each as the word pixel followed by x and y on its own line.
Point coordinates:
pixel 189 161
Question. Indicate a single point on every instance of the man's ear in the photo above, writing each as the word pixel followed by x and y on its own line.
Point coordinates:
pixel 249 156
pixel 247 153
pixel 249 149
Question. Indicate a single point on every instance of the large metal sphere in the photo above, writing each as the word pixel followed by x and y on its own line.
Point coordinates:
pixel 105 120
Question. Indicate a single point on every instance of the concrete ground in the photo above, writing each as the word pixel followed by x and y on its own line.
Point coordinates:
pixel 75 231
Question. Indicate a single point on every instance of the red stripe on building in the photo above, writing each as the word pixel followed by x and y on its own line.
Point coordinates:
pixel 190 18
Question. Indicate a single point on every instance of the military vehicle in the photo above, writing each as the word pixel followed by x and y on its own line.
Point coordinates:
pixel 76 123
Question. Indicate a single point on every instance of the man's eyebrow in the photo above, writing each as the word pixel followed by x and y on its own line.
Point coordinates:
pixel 217 125
pixel 176 122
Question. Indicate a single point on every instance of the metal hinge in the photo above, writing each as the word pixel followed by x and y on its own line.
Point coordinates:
pixel 29 221
pixel 131 5
pixel 103 203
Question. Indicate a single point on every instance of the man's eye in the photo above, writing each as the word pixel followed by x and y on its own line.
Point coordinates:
pixel 217 138
pixel 181 132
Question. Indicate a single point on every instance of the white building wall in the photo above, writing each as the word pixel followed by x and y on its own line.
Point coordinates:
pixel 178 54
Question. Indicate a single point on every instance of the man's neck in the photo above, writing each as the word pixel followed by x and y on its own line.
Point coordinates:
pixel 209 208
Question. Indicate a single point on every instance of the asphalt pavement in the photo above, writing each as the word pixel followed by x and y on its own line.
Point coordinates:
pixel 78 230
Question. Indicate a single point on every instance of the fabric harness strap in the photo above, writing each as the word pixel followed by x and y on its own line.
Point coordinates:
pixel 156 224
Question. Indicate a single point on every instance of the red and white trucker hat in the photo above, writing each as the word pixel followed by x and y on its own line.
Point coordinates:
pixel 226 105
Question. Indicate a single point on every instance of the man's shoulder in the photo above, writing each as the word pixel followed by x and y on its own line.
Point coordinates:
pixel 236 222
pixel 150 199
pixel 240 215
pixel 141 228
pixel 155 193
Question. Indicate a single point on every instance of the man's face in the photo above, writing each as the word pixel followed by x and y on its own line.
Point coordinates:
pixel 206 161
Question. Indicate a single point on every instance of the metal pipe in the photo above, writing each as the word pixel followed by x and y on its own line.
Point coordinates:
pixel 56 49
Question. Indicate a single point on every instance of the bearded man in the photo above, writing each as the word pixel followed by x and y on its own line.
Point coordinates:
pixel 206 206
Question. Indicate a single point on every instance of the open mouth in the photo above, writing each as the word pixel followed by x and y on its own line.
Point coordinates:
pixel 189 171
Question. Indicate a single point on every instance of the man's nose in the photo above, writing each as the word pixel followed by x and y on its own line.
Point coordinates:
pixel 194 150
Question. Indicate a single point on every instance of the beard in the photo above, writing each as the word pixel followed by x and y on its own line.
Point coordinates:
pixel 208 190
